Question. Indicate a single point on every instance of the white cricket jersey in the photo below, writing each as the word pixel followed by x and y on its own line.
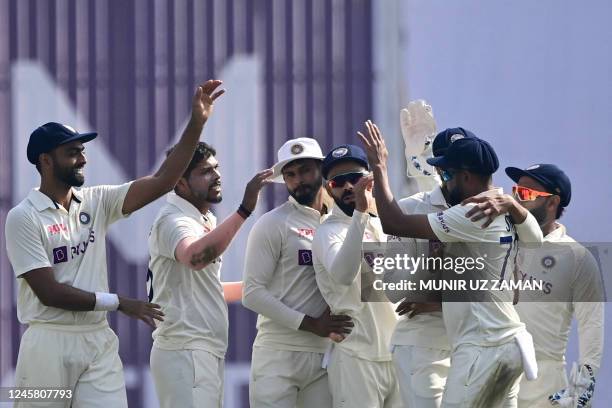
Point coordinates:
pixel 339 261
pixel 569 271
pixel 279 279
pixel 490 323
pixel 41 233
pixel 426 329
pixel 192 300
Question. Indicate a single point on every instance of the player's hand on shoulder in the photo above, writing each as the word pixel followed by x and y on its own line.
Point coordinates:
pixel 253 187
pixel 489 207
pixel 138 309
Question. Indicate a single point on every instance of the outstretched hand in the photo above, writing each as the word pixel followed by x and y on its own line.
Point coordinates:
pixel 253 187
pixel 203 100
pixel 374 145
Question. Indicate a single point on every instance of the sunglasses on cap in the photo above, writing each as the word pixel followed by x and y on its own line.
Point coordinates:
pixel 446 175
pixel 341 179
pixel 527 194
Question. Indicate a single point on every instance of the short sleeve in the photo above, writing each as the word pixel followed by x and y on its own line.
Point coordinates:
pixel 24 243
pixel 453 226
pixel 112 198
pixel 171 230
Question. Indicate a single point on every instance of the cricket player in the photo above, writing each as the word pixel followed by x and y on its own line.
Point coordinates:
pixel 572 285
pixel 421 351
pixel 185 247
pixel 490 347
pixel 294 321
pixel 361 372
pixel 58 253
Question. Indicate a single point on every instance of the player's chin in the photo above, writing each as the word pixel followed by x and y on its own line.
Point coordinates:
pixel 215 198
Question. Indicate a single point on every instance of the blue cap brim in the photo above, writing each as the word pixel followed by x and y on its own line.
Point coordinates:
pixel 515 174
pixel 440 162
pixel 82 137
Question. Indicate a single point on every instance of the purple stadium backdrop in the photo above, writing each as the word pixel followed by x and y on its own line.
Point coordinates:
pixel 130 67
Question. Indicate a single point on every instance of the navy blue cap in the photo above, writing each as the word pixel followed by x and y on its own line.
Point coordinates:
pixel 470 153
pixel 446 137
pixel 554 180
pixel 344 153
pixel 50 135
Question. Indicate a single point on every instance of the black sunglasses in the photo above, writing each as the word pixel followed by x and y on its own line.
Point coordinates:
pixel 341 179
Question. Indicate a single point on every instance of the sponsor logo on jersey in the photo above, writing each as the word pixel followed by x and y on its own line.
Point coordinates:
pixel 304 257
pixel 60 254
pixel 443 225
pixel 56 228
pixel 305 232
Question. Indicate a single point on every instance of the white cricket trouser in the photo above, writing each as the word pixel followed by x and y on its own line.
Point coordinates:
pixel 421 374
pixel 288 379
pixel 551 378
pixel 483 377
pixel 355 382
pixel 84 359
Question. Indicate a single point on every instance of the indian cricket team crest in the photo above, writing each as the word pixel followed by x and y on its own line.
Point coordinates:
pixel 297 148
pixel 84 218
pixel 548 262
pixel 340 152
pixel 535 166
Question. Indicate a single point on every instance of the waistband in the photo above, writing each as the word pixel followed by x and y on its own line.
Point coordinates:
pixel 74 328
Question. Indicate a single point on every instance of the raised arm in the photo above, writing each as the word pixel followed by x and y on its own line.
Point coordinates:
pixel 196 253
pixel 392 218
pixel 149 188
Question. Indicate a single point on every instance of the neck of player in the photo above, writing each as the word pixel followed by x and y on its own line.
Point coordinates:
pixel 58 191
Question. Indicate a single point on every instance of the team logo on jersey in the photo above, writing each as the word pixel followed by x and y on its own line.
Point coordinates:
pixel 548 262
pixel 297 148
pixel 60 254
pixel 304 257
pixel 84 218
pixel 340 152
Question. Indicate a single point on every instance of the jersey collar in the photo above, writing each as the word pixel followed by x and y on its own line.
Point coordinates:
pixel 41 201
pixel 436 197
pixel 185 206
pixel 304 208
pixel 556 234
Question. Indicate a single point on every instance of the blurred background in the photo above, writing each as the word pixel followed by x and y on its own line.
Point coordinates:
pixel 530 77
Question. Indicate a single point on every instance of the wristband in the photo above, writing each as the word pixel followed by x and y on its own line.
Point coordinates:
pixel 243 212
pixel 106 301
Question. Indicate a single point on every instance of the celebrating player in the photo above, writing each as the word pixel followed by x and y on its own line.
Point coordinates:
pixel 361 373
pixel 572 279
pixel 58 253
pixel 487 338
pixel 279 284
pixel 185 246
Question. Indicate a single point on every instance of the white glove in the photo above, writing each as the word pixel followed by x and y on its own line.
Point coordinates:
pixel 418 130
pixel 580 390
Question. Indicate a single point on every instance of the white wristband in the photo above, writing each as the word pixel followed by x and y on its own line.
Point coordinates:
pixel 106 301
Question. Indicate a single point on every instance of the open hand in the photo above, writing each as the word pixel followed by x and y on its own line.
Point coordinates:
pixel 253 187
pixel 141 310
pixel 374 145
pixel 203 100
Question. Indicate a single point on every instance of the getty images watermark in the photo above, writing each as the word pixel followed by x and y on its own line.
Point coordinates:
pixel 485 272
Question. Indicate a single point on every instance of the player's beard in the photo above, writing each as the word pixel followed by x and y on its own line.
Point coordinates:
pixel 455 196
pixel 305 194
pixel 539 213
pixel 206 196
pixel 347 208
pixel 69 175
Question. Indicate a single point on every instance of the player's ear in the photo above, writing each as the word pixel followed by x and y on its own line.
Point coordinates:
pixel 328 188
pixel 45 160
pixel 553 202
pixel 182 186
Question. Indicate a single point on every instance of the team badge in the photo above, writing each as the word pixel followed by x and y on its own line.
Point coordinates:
pixel 340 152
pixel 456 137
pixel 297 148
pixel 548 262
pixel 535 166
pixel 84 218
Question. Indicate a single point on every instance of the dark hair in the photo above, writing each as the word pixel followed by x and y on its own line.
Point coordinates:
pixel 202 152
pixel 559 212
